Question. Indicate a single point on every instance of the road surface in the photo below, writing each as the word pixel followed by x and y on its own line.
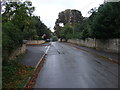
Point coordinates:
pixel 33 54
pixel 69 67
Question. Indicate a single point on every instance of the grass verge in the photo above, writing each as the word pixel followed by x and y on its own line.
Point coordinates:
pixel 15 75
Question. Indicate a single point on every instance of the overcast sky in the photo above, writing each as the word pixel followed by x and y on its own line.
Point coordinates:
pixel 48 9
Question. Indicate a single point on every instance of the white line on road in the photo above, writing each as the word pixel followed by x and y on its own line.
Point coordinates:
pixel 39 62
pixel 42 57
pixel 46 46
pixel 47 49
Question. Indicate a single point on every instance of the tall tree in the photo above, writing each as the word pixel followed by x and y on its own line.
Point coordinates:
pixel 105 23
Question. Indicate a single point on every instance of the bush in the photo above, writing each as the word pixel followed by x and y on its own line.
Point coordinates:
pixel 14 74
pixel 12 39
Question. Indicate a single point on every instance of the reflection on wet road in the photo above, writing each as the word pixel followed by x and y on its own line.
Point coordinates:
pixel 68 67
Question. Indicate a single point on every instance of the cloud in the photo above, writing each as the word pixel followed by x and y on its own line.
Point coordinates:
pixel 48 9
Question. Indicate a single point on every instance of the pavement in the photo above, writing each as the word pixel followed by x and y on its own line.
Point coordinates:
pixel 114 57
pixel 69 67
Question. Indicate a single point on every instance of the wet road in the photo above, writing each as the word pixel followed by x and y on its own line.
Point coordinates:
pixel 33 54
pixel 68 67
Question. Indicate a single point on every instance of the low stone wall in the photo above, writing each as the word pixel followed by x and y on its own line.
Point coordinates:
pixel 110 45
pixel 18 52
pixel 22 49
pixel 34 42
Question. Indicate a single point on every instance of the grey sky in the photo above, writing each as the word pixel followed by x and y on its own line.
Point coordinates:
pixel 48 9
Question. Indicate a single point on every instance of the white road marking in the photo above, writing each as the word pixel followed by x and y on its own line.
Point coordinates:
pixel 46 46
pixel 42 56
pixel 47 49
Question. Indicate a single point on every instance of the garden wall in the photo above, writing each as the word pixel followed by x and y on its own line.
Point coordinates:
pixel 35 42
pixel 18 52
pixel 110 45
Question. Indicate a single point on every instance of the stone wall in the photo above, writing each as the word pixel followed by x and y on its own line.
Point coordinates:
pixel 110 45
pixel 18 52
pixel 22 49
pixel 34 42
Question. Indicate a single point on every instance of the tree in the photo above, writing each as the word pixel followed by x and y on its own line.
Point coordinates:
pixel 67 32
pixel 18 24
pixel 67 17
pixel 104 23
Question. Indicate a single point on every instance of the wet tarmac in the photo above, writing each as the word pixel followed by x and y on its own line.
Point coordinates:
pixel 33 55
pixel 69 67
